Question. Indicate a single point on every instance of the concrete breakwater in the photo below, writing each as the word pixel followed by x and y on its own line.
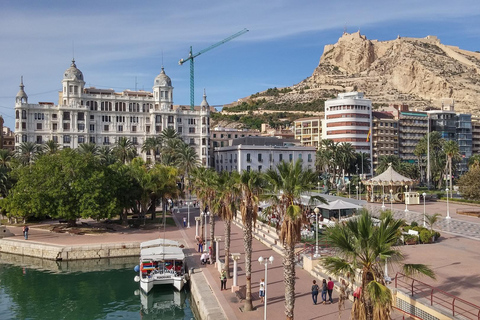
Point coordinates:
pixel 66 253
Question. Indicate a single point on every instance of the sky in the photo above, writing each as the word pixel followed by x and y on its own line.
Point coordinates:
pixel 123 44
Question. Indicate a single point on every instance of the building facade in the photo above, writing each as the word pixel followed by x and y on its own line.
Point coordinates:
pixel 412 127
pixel 102 116
pixel 384 136
pixel 261 154
pixel 309 131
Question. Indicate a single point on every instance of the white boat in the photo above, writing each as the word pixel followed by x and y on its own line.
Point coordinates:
pixel 162 262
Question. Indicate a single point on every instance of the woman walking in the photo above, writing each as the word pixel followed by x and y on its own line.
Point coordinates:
pixel 315 289
pixel 324 291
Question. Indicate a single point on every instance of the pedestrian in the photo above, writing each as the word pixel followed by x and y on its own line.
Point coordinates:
pixel 315 289
pixel 324 291
pixel 261 292
pixel 357 293
pixel 223 280
pixel 330 286
pixel 25 232
pixel 184 222
pixel 200 245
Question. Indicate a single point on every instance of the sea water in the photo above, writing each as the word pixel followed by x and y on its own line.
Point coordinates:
pixel 79 290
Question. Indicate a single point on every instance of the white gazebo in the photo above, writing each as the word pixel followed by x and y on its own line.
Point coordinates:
pixel 391 186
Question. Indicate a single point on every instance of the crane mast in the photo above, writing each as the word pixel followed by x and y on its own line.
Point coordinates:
pixel 192 56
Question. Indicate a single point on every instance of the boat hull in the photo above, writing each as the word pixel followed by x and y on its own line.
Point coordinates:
pixel 147 284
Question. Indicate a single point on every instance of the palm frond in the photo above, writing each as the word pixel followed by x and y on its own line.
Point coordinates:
pixel 414 269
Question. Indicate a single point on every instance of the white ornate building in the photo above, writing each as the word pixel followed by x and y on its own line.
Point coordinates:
pixel 101 116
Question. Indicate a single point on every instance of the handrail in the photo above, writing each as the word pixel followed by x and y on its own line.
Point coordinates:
pixel 454 304
pixel 405 312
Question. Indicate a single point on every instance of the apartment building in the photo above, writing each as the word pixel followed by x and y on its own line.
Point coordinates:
pixel 101 116
pixel 308 131
pixel 384 136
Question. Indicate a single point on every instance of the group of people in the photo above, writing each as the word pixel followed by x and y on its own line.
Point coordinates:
pixel 326 288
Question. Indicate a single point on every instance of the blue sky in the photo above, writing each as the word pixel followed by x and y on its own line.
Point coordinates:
pixel 117 41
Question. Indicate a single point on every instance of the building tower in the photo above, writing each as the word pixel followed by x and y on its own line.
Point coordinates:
pixel 163 92
pixel 73 85
pixel 205 127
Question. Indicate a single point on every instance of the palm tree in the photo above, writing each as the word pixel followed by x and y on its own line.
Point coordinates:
pixel 50 147
pixel 152 144
pixel 345 156
pixel 287 183
pixel 187 161
pixel 251 187
pixel 27 152
pixel 5 158
pixel 432 219
pixel 451 151
pixel 228 206
pixel 385 161
pixel 474 160
pixel 106 155
pixel 364 247
pixel 88 148
pixel 124 150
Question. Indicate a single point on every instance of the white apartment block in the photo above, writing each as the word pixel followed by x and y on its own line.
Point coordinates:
pixel 101 116
pixel 261 154
pixel 309 131
pixel 348 118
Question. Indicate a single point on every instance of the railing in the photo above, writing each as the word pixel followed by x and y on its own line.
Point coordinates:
pixel 324 248
pixel 439 298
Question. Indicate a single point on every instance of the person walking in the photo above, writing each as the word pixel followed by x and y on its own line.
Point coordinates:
pixel 184 222
pixel 324 291
pixel 25 232
pixel 261 292
pixel 330 286
pixel 223 280
pixel 200 245
pixel 315 289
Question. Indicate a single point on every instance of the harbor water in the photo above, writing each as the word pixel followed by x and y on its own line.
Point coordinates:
pixel 32 288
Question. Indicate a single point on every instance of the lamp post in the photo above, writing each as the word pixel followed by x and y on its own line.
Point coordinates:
pixel 448 209
pixel 348 182
pixel 206 214
pixel 383 197
pixel 424 212
pixel 265 262
pixel 188 214
pixel 318 186
pixel 391 200
pixel 356 187
pixel 316 210
pixel 406 203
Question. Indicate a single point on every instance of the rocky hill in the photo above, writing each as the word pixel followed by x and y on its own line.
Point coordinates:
pixel 419 72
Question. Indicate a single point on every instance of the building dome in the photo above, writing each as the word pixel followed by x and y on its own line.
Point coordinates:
pixel 21 95
pixel 73 73
pixel 163 80
pixel 204 104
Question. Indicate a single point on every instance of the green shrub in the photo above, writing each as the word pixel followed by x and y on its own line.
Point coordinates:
pixel 414 224
pixel 407 228
pixel 425 236
pixel 410 239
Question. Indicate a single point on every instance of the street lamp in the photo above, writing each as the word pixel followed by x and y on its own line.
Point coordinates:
pixel 424 213
pixel 316 210
pixel 348 182
pixel 391 200
pixel 406 203
pixel 356 187
pixel 448 209
pixel 188 214
pixel 206 214
pixel 265 262
pixel 383 197
pixel 318 185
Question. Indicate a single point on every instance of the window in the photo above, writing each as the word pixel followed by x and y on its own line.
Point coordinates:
pixel 158 119
pixel 92 117
pixel 192 142
pixel 24 125
pixel 120 128
pixel 39 126
pixel 134 140
pixel 248 168
pixel 179 120
pixel 105 127
pixel 24 114
pixel 81 116
pixel 66 126
pixel 248 158
pixel 66 139
pixel 259 157
pixel 81 126
pixel 147 129
pixel 259 168
pixel 180 130
pixel 92 139
pixel 191 130
pixel 55 139
pixel 290 157
pixel 134 128
pixel 170 119
pixel 81 139
pixel 92 128
pixel 39 139
pixel 54 126
pixel 270 157
pixel 280 157
pixel 24 138
pixel 106 140
pixel 66 115
pixel 309 157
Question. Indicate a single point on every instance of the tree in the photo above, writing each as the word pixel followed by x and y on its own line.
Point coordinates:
pixel 362 246
pixel 63 185
pixel 88 148
pixel 345 156
pixel 286 183
pixel 106 156
pixel 5 158
pixel 152 145
pixel 27 152
pixel 124 150
pixel 50 147
pixel 474 160
pixel 469 184
pixel 432 219
pixel 187 161
pixel 251 187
